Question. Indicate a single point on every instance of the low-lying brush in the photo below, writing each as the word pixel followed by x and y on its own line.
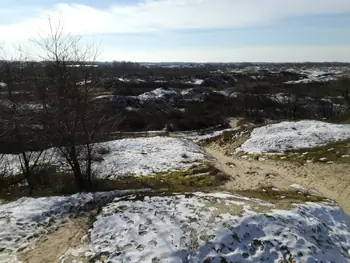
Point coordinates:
pixel 51 181
pixel 270 195
pixel 337 152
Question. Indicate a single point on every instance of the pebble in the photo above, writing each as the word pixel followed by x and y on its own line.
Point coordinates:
pixel 272 174
pixel 345 156
pixel 324 159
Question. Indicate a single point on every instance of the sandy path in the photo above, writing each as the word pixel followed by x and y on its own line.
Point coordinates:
pixel 329 180
pixel 52 246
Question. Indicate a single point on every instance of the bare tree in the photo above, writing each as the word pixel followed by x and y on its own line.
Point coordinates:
pixel 72 119
pixel 17 121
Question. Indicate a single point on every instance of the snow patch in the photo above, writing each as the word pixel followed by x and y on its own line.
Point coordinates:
pixel 280 137
pixel 157 94
pixel 25 220
pixel 136 157
pixel 144 156
pixel 216 229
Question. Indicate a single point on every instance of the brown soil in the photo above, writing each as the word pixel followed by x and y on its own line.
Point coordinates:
pixel 329 180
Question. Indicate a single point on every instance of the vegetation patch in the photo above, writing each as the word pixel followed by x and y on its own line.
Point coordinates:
pixel 201 177
pixel 337 152
pixel 50 181
pixel 237 143
pixel 270 195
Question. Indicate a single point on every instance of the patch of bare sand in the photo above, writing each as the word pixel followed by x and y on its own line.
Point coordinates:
pixel 329 180
pixel 51 247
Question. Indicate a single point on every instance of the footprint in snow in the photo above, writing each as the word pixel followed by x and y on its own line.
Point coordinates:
pixel 153 243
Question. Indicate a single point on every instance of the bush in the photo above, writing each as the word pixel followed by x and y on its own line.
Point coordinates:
pixel 103 150
pixel 97 158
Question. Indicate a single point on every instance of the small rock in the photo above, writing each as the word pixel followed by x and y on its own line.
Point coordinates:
pixel 345 156
pixel 305 153
pixel 272 174
pixel 283 158
pixel 330 162
pixel 324 159
pixel 309 161
pixel 261 159
pixel 231 164
pixel 244 156
pixel 330 150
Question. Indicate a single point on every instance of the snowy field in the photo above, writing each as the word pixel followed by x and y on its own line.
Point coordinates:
pixel 25 220
pixel 144 156
pixel 280 137
pixel 215 228
pixel 136 157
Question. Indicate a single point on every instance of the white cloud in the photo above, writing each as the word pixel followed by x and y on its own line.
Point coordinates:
pixel 246 54
pixel 152 15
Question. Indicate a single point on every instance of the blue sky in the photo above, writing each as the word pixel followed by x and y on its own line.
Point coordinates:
pixel 191 30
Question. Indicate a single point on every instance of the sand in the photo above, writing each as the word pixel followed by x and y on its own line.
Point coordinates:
pixel 329 180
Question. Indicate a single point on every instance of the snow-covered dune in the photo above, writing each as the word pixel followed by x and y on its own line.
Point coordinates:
pixel 144 156
pixel 217 228
pixel 280 137
pixel 202 227
pixel 137 157
pixel 25 220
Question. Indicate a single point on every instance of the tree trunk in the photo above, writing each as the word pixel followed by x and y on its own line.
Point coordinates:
pixel 79 178
pixel 28 173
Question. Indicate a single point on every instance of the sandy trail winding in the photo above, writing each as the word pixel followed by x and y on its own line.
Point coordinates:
pixel 329 180
pixel 51 247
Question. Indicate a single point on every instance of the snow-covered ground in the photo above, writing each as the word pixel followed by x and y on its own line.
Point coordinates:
pixel 144 156
pixel 280 137
pixel 215 228
pixel 157 94
pixel 25 220
pixel 199 227
pixel 195 81
pixel 138 157
pixel 319 75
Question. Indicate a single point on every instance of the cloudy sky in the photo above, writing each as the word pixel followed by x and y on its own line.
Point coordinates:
pixel 191 30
